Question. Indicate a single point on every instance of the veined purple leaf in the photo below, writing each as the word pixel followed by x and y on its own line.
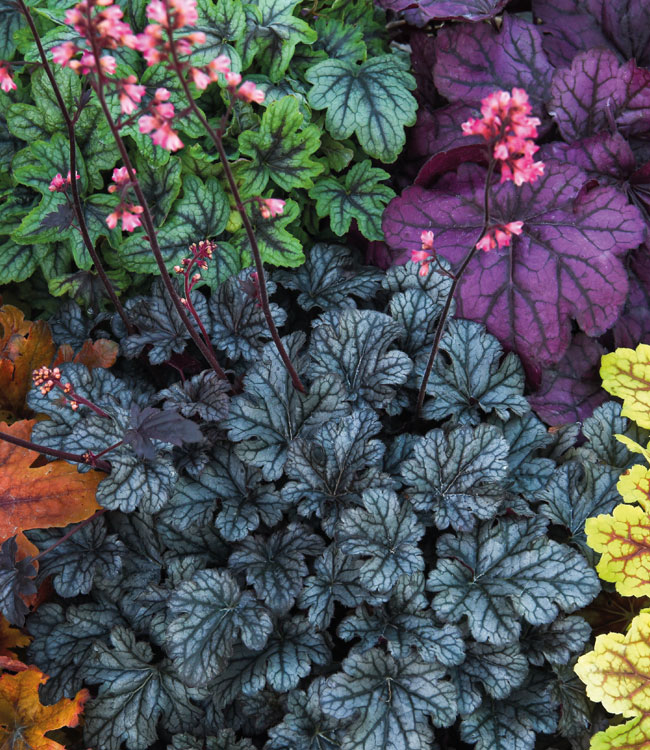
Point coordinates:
pixel 567 28
pixel 565 265
pixel 597 94
pixel 475 60
pixel 423 58
pixel 571 389
pixel 420 12
pixel 608 157
pixel 440 130
pixel 626 23
pixel 633 326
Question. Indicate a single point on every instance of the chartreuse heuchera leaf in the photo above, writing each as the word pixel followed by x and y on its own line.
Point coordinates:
pixel 626 374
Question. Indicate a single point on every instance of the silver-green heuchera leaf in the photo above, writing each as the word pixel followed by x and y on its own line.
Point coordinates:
pixel 355 345
pixel 503 573
pixel 330 279
pixel 207 614
pixel 329 470
pixel 475 379
pixel 457 476
pixel 275 565
pixel 271 413
pixel 385 533
pixel 134 695
pixel 390 701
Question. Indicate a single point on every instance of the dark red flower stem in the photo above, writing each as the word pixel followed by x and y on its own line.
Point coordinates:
pixel 435 347
pixel 70 123
pixel 250 233
pixel 74 457
pixel 205 348
pixel 70 533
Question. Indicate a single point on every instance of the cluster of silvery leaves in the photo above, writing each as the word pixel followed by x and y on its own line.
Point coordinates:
pixel 308 571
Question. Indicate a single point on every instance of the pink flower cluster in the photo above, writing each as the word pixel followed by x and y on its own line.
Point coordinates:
pixel 159 123
pixel 499 236
pixel 508 129
pixel 7 83
pixel 59 184
pixel 201 254
pixel 426 254
pixel 271 207
pixel 129 213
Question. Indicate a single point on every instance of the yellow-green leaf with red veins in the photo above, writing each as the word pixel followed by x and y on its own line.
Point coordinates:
pixel 626 374
pixel 624 540
pixel 617 674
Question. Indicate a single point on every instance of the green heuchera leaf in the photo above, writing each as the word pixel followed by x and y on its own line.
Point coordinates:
pixel 358 195
pixel 371 100
pixel 339 40
pixel 281 150
pixel 275 565
pixel 355 345
pixel 160 185
pixel 200 213
pixel 11 19
pixel 276 244
pixel 476 379
pixel 221 22
pixel 272 33
pixel 499 574
pixel 385 533
pixel 405 622
pixel 208 614
pixel 134 695
pixel 329 279
pixel 457 475
pixel 390 701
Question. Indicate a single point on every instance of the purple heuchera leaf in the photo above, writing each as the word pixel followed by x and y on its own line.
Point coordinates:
pixel 571 389
pixel 607 157
pixel 439 131
pixel 567 28
pixel 420 12
pixel 633 326
pixel 566 264
pixel 597 93
pixel 472 61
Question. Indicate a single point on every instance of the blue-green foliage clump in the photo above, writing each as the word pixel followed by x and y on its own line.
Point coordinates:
pixel 316 570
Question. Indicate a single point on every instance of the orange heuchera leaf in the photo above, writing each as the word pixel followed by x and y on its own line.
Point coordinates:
pixel 24 720
pixel 11 638
pixel 38 498
pixel 100 353
pixel 24 346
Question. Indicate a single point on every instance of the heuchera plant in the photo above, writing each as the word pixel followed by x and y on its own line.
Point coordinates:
pixel 616 672
pixel 575 279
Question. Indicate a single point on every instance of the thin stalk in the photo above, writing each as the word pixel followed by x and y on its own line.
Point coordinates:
pixel 250 233
pixel 70 127
pixel 435 347
pixel 70 533
pixel 147 220
pixel 74 457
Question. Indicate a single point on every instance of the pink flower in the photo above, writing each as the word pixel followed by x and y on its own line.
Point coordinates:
pixel 7 83
pixel 64 53
pixel 120 178
pixel 250 93
pixel 220 64
pixel 129 214
pixel 508 129
pixel 201 79
pixel 499 236
pixel 424 255
pixel 271 207
pixel 159 123
pixel 130 95
pixel 60 185
pixel 233 79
